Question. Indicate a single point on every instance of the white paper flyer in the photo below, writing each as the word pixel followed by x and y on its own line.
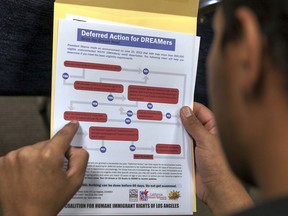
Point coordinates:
pixel 126 85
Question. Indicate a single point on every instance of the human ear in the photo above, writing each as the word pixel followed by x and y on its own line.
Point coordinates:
pixel 250 48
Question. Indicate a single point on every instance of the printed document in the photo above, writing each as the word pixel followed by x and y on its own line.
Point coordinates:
pixel 126 85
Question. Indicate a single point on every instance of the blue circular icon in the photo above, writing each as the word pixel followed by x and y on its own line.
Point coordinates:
pixel 94 103
pixel 128 121
pixel 110 97
pixel 129 113
pixel 146 71
pixel 168 115
pixel 65 76
pixel 103 149
pixel 149 105
pixel 132 148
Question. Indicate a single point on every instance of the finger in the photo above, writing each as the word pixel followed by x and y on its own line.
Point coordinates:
pixel 205 116
pixel 77 163
pixel 40 145
pixel 63 137
pixel 192 125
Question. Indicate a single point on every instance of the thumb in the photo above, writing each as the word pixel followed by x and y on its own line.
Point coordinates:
pixel 193 125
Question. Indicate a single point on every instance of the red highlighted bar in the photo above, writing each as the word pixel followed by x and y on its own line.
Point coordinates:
pixel 168 149
pixel 97 86
pixel 149 115
pixel 85 116
pixel 94 66
pixel 143 156
pixel 153 94
pixel 109 133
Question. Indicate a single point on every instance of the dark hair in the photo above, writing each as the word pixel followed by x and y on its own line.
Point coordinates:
pixel 272 16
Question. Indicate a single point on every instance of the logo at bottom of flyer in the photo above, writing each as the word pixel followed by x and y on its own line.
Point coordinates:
pixel 155 195
pixel 144 195
pixel 174 195
pixel 133 195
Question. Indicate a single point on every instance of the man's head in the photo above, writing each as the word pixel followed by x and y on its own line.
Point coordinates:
pixel 248 75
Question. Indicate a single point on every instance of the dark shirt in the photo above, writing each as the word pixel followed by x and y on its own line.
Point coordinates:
pixel 277 207
pixel 26 47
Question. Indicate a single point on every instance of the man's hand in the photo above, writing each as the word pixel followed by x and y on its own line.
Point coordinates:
pixel 215 183
pixel 32 179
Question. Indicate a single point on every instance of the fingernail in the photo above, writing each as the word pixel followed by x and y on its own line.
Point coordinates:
pixel 74 121
pixel 187 112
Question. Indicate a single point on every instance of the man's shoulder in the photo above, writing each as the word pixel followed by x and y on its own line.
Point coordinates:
pixel 277 207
